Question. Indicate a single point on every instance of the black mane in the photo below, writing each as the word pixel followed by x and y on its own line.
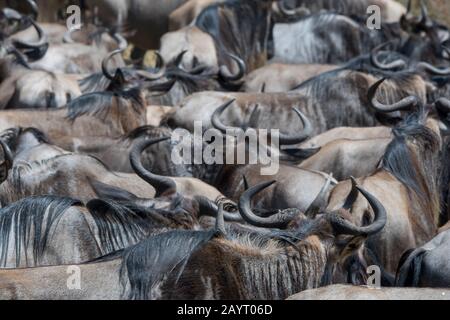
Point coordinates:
pixel 147 263
pixel 119 225
pixel 31 216
pixel 413 169
pixel 99 104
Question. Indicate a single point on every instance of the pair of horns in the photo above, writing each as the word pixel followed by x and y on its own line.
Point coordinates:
pixel 339 224
pixel 122 46
pixel 283 138
pixel 424 20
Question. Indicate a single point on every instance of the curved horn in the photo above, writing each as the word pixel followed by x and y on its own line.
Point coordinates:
pixel 345 227
pixel 122 46
pixel 160 183
pixel 160 65
pixel 179 59
pixel 21 59
pixel 284 139
pixel 196 69
pixel 11 14
pixel 319 202
pixel 217 123
pixel 434 70
pixel 34 8
pixel 35 50
pixel 352 196
pixel 278 220
pixel 406 103
pixel 225 74
pixel 443 105
pixel 300 137
pixel 425 18
pixel 209 208
pixel 301 11
pixel 105 62
pixel 399 63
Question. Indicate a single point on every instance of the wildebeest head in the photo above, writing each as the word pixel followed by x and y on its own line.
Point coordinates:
pixel 290 219
pixel 337 227
pixel 179 82
pixel 264 265
pixel 425 36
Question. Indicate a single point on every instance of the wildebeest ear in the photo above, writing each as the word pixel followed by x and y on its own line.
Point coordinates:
pixel 106 191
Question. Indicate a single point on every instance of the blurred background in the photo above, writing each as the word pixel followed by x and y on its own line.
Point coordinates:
pixel 439 9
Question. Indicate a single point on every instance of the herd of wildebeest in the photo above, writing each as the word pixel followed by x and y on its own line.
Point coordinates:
pixel 94 207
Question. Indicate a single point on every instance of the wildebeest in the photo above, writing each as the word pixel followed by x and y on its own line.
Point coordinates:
pixel 171 83
pixel 391 11
pixel 49 230
pixel 407 183
pixel 22 87
pixel 105 113
pixel 251 260
pixel 217 168
pixel 345 158
pixel 336 98
pixel 234 27
pixel 277 77
pixel 349 37
pixel 347 133
pixel 426 266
